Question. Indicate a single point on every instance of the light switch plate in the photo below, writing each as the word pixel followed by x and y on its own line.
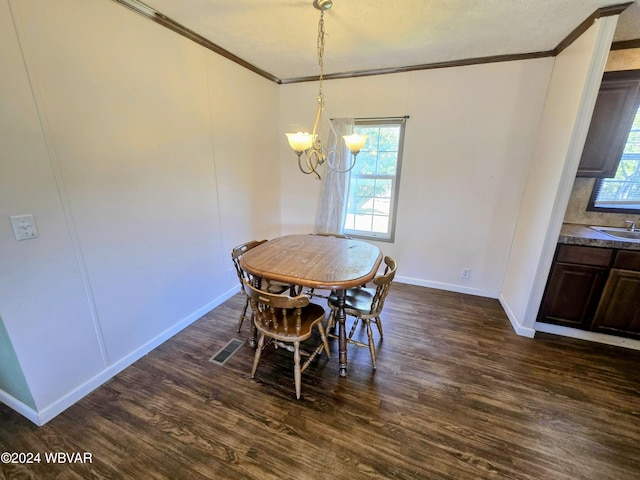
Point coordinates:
pixel 24 227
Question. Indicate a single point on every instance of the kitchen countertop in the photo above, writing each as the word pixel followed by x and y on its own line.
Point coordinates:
pixel 574 234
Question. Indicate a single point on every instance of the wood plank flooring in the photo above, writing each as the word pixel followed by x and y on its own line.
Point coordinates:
pixel 457 395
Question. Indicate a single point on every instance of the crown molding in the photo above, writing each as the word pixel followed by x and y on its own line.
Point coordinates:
pixel 180 29
pixel 584 26
pixel 176 27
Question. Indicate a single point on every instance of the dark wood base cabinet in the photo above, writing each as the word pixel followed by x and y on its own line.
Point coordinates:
pixel 574 286
pixel 595 289
pixel 619 309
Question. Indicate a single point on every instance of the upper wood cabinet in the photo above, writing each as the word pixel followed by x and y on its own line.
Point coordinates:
pixel 613 114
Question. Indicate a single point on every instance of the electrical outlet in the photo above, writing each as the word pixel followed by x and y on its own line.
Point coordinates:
pixel 24 227
pixel 466 273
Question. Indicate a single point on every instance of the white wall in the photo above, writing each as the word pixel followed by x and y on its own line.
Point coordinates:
pixel 144 158
pixel 245 129
pixel 124 141
pixel 574 84
pixel 42 300
pixel 12 380
pixel 467 146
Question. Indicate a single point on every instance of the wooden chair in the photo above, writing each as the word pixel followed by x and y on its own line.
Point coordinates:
pixel 286 320
pixel 365 304
pixel 273 287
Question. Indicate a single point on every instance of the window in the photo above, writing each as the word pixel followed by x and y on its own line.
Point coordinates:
pixel 373 188
pixel 622 193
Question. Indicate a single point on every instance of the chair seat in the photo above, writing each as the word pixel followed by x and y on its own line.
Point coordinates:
pixel 310 315
pixel 355 299
pixel 274 287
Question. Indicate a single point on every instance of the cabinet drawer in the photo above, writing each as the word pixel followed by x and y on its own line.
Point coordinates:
pixel 628 260
pixel 596 256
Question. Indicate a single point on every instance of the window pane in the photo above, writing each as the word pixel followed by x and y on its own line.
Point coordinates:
pixel 380 224
pixel 362 187
pixel 633 141
pixel 387 163
pixel 366 162
pixel 372 133
pixel 622 191
pixel 389 139
pixel 363 222
pixel 380 206
pixel 383 188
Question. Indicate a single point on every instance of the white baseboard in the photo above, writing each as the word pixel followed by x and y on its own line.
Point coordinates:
pixel 42 416
pixel 451 287
pixel 20 407
pixel 515 323
pixel 519 329
pixel 586 335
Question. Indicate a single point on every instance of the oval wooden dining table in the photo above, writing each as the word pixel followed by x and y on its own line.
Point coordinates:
pixel 316 261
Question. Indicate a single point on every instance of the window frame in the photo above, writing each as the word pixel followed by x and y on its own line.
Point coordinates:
pixel 395 181
pixel 591 206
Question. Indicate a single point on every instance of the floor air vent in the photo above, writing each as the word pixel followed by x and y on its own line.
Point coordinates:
pixel 225 353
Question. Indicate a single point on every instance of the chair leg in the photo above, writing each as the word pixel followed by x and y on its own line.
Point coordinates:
pixel 379 325
pixel 331 321
pixel 297 373
pixel 244 313
pixel 318 351
pixel 372 348
pixel 353 328
pixel 256 357
pixel 325 342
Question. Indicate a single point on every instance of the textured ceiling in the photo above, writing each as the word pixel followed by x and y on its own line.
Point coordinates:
pixel 279 36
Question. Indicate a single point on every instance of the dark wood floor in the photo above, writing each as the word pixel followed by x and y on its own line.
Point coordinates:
pixel 457 395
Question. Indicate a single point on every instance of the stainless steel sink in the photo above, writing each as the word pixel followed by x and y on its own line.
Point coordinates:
pixel 620 233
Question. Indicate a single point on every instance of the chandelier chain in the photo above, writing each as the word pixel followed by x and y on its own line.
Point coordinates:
pixel 310 146
pixel 320 47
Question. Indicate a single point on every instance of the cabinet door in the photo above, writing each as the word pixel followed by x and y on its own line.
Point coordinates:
pixel 613 114
pixel 572 294
pixel 619 309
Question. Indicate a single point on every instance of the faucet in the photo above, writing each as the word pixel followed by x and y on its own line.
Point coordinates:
pixel 632 225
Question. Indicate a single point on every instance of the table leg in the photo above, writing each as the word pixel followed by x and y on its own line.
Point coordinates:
pixel 342 334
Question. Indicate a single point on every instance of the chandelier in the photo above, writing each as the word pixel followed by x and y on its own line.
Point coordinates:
pixel 309 145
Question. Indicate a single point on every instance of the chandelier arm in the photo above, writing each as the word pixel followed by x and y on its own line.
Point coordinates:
pixel 317 132
pixel 311 168
pixel 313 162
pixel 333 129
pixel 333 168
pixel 315 158
pixel 335 148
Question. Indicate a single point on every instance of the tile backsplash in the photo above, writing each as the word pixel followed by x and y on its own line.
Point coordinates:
pixel 577 208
